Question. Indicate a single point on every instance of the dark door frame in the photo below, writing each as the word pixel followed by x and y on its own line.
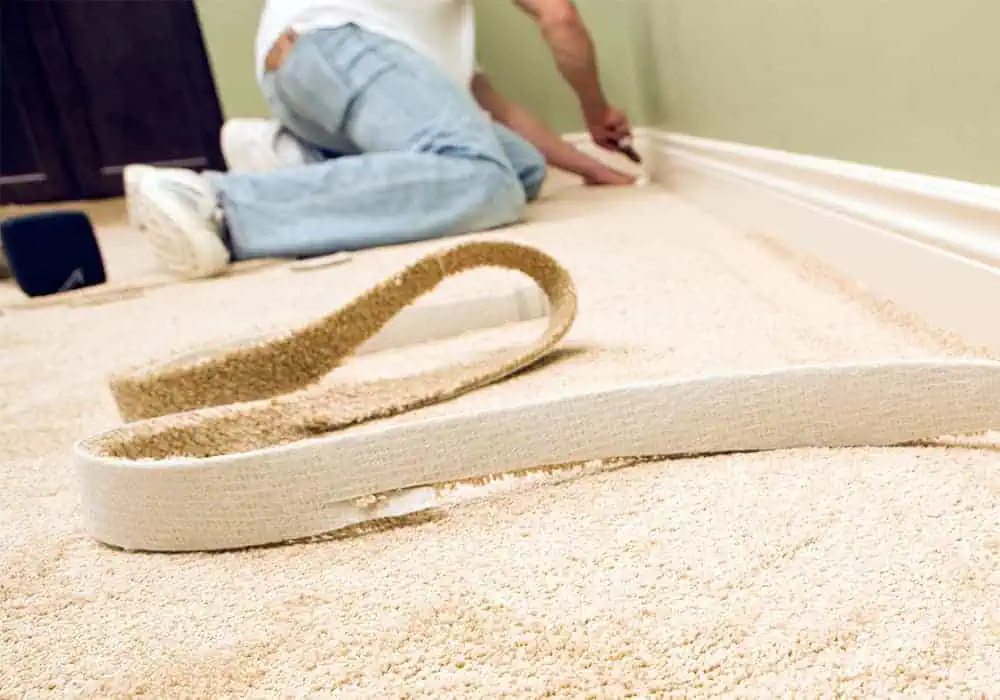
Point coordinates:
pixel 45 42
pixel 34 107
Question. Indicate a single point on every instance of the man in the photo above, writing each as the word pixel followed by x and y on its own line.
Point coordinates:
pixel 404 139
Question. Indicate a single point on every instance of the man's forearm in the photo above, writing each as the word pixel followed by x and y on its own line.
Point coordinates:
pixel 572 48
pixel 558 153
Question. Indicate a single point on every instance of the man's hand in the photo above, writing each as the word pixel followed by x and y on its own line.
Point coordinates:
pixel 608 127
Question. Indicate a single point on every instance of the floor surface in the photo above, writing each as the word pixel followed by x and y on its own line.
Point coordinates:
pixel 869 572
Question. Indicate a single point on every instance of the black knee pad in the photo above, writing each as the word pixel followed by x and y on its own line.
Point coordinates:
pixel 52 252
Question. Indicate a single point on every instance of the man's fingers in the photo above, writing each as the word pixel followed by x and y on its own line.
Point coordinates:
pixel 630 153
pixel 607 141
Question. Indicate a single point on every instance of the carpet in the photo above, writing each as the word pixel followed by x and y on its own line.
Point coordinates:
pixel 811 573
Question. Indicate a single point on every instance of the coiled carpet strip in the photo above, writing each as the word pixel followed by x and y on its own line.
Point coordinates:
pixel 245 448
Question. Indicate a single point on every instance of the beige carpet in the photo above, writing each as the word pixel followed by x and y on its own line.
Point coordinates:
pixel 809 573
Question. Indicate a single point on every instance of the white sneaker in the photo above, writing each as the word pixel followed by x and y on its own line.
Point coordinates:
pixel 259 146
pixel 180 216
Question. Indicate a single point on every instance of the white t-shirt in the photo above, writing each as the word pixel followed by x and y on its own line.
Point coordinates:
pixel 442 30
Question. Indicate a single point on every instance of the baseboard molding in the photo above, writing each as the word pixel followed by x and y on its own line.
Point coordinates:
pixel 929 245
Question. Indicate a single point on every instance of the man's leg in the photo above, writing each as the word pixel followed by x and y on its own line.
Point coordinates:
pixel 264 145
pixel 431 165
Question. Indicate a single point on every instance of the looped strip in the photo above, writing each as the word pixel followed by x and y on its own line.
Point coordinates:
pixel 265 394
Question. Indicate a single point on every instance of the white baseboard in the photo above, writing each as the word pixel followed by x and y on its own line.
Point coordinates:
pixel 929 245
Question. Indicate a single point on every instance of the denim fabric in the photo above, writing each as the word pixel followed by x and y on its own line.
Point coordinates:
pixel 414 157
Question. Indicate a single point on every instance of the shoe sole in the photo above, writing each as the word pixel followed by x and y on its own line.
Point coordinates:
pixel 132 175
pixel 183 245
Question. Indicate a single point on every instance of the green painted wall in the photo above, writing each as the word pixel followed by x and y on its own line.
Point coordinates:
pixel 229 28
pixel 904 84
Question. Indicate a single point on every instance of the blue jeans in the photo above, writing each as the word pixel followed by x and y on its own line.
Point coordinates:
pixel 415 156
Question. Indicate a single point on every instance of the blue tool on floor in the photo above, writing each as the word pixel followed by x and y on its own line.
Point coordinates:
pixel 52 252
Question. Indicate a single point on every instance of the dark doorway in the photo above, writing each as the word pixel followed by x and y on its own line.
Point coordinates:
pixel 91 86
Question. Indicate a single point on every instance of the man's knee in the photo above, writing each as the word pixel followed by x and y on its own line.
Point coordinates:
pixel 501 196
pixel 532 175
